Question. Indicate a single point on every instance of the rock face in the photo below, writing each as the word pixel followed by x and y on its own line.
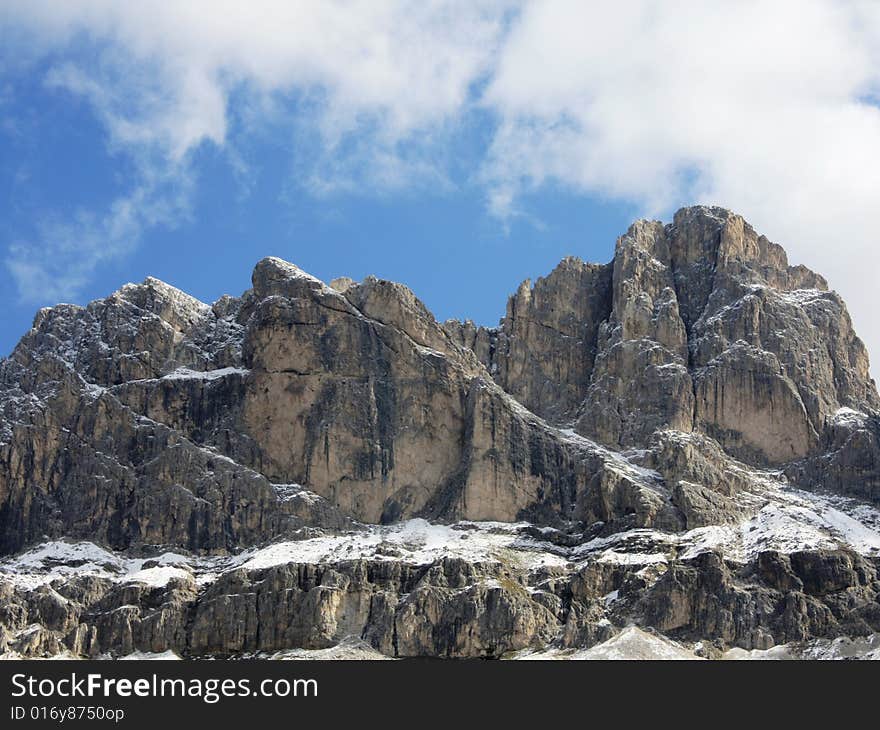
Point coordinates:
pixel 449 607
pixel 726 339
pixel 666 391
pixel 544 351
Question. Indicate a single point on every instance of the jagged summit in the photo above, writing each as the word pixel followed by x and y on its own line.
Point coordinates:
pixel 693 381
pixel 668 333
pixel 272 275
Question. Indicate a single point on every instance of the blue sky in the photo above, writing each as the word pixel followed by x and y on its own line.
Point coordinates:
pixel 444 244
pixel 456 147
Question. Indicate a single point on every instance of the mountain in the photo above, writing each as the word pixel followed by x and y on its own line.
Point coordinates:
pixel 686 439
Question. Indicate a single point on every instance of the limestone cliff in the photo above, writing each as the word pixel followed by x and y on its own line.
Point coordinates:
pixel 691 382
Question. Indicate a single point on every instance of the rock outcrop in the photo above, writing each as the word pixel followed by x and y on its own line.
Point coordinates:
pixel 450 607
pixel 685 385
pixel 544 350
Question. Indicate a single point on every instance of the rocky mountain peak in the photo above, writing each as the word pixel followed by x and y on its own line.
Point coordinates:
pixel 172 305
pixel 275 277
pixel 695 380
pixel 695 327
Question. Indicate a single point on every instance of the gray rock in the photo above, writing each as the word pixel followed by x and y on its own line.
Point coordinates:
pixel 656 391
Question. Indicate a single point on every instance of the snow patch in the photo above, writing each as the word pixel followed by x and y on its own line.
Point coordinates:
pixel 187 374
pixel 350 648
pixel 864 648
pixel 157 577
pixel 618 558
pixel 141 655
pixel 58 559
pixel 289 492
pixel 632 643
pixel 848 417
pixel 802 297
pixel 416 542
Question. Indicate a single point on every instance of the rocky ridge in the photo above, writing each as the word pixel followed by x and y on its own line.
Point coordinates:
pixel 686 439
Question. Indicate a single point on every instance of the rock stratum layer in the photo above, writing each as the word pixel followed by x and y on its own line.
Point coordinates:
pixel 686 440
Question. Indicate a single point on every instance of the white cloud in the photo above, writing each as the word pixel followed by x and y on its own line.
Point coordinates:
pixel 769 108
pixel 406 65
pixel 383 83
pixel 757 106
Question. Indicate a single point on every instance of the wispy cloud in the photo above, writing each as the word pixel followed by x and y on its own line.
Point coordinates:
pixel 377 88
pixel 61 260
pixel 166 70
